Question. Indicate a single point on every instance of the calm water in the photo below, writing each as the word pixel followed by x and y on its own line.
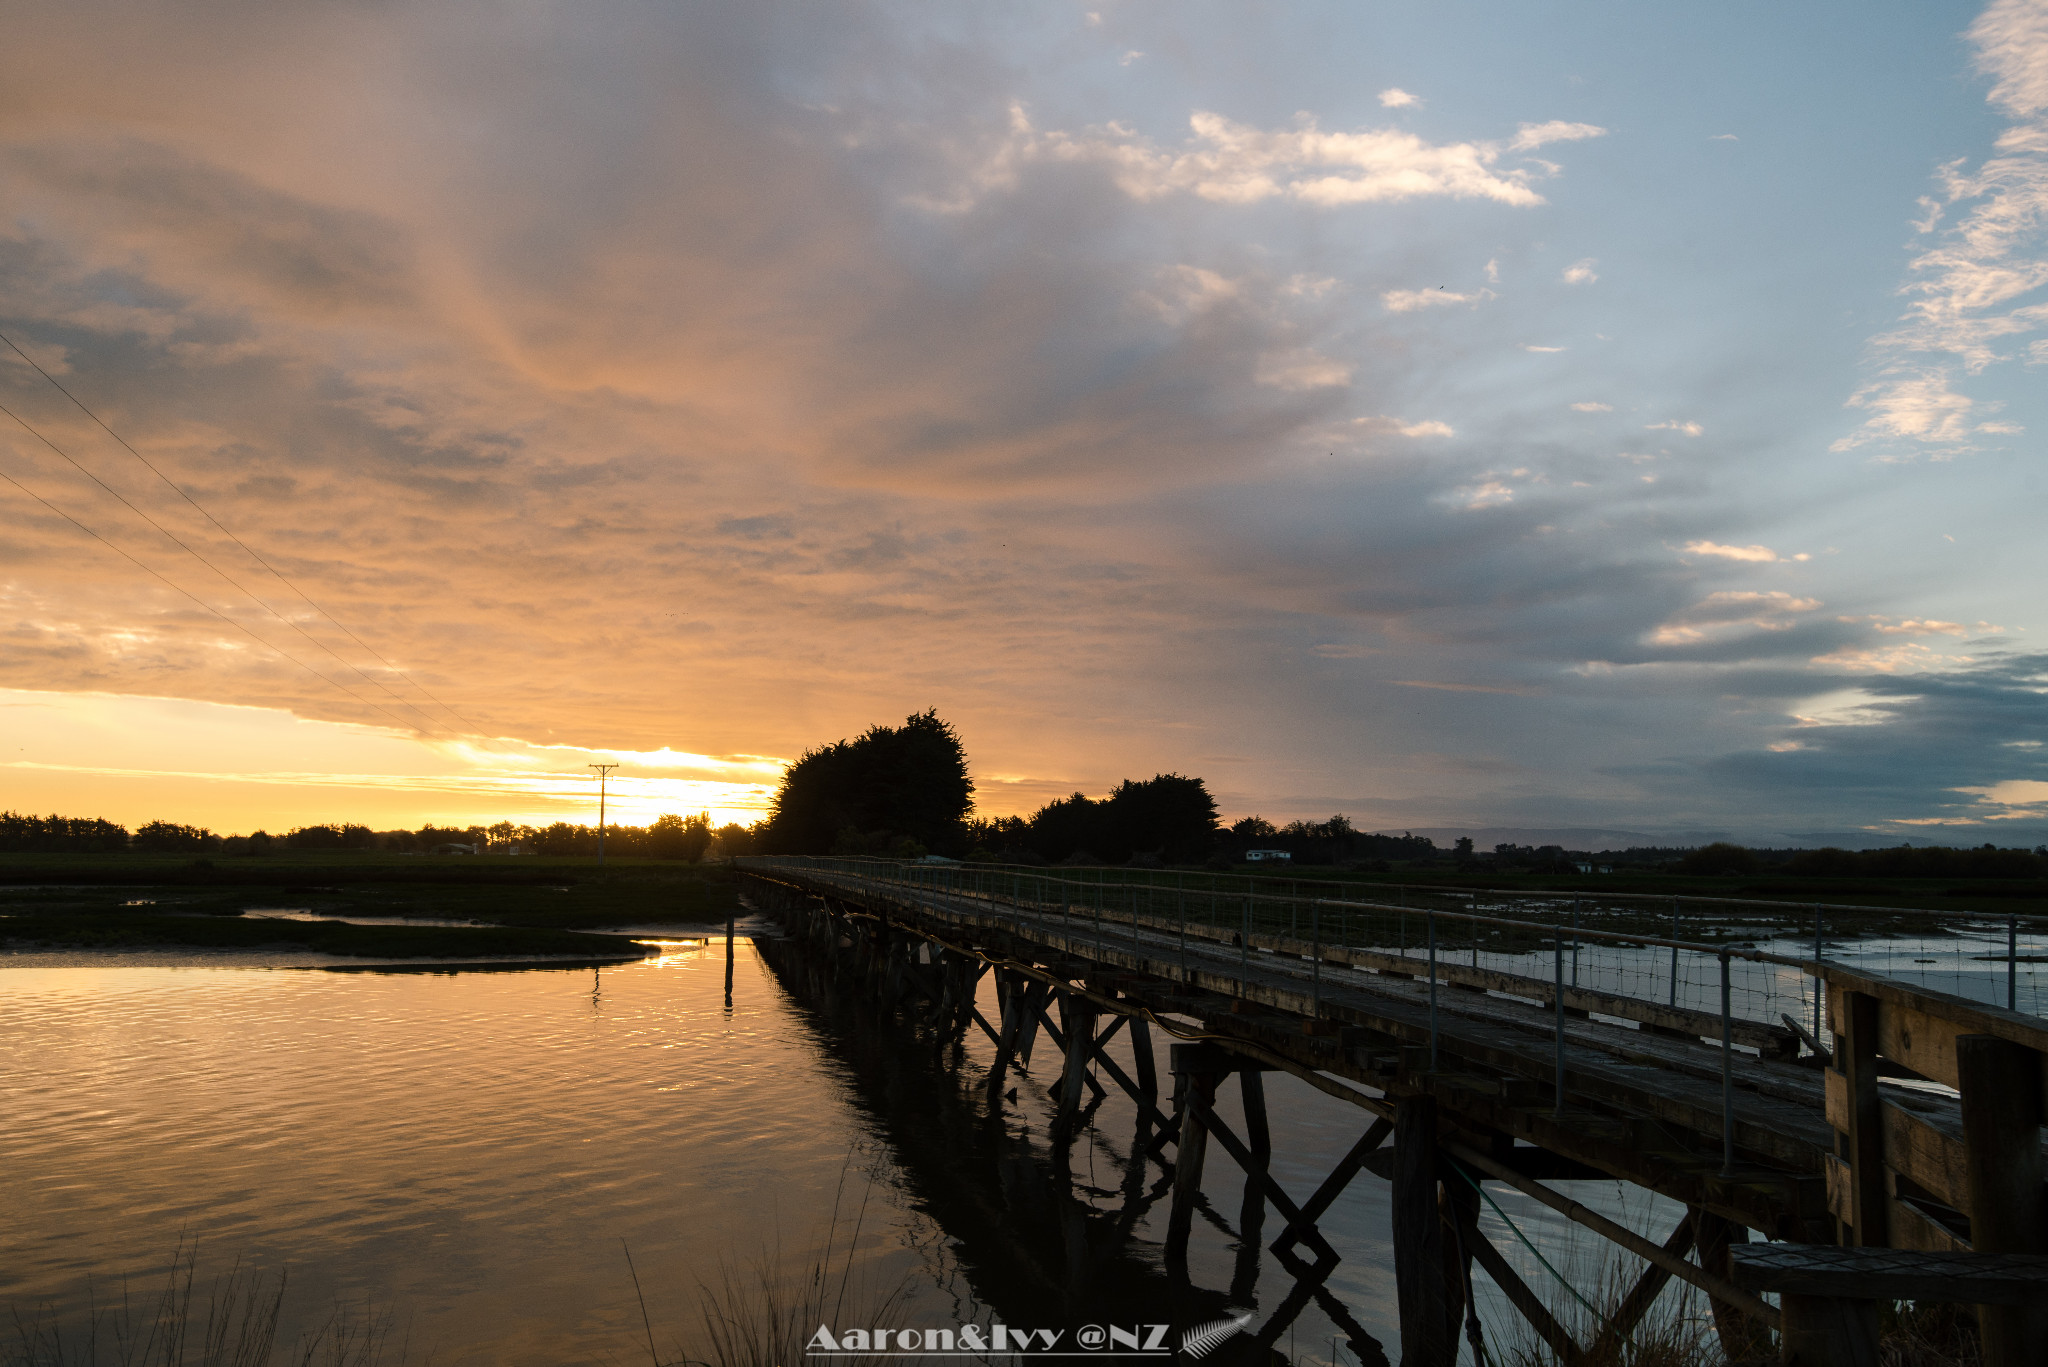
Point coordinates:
pixel 469 1149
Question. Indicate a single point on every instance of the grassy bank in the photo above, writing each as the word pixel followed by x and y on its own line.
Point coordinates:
pixel 139 929
pixel 568 894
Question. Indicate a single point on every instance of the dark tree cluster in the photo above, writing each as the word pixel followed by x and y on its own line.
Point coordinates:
pixel 59 834
pixel 1335 841
pixel 1168 817
pixel 168 837
pixel 340 837
pixel 899 790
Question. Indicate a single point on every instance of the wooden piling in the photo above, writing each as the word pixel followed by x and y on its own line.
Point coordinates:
pixel 1141 1053
pixel 1418 1238
pixel 1861 1146
pixel 1742 1338
pixel 1077 1020
pixel 1194 1090
pixel 1251 1215
pixel 1035 994
pixel 2002 1113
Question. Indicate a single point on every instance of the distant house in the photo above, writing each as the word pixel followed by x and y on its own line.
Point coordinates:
pixel 454 849
pixel 1267 856
pixel 1584 867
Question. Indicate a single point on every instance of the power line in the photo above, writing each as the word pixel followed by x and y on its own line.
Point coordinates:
pixel 278 574
pixel 230 579
pixel 203 603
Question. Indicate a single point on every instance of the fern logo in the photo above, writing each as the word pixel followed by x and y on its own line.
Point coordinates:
pixel 1198 1342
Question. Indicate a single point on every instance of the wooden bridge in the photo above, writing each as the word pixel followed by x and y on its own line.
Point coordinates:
pixel 1893 1152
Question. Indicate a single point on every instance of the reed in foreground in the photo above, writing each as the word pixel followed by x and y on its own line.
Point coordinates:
pixel 235 1325
pixel 762 1310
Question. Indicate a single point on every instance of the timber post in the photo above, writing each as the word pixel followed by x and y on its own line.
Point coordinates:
pixel 1196 1071
pixel 2002 1113
pixel 1419 1256
pixel 1741 1337
pixel 1077 1019
pixel 1141 1053
pixel 1010 992
pixel 1861 1147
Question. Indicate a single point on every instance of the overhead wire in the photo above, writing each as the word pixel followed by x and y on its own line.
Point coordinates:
pixel 175 540
pixel 152 571
pixel 252 552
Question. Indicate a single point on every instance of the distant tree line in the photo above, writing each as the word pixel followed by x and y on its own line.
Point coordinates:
pixel 1899 861
pixel 59 834
pixel 689 838
pixel 1168 818
pixel 1335 841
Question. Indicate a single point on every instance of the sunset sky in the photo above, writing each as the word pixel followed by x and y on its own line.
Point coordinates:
pixel 1593 418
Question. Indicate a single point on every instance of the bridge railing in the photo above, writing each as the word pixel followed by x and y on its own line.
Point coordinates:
pixel 1728 990
pixel 1649 949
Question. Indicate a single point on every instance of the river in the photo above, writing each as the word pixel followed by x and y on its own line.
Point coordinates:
pixel 472 1155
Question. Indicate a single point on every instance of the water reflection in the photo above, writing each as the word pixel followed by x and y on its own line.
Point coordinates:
pixel 466 1148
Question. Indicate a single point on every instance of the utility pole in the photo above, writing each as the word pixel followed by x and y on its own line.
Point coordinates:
pixel 603 772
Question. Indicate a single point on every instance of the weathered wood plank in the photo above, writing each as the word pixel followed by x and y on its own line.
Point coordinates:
pixel 1888 1274
pixel 1914 1228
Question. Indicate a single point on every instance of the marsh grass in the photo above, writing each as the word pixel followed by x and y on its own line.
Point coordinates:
pixel 235 1324
pixel 762 1309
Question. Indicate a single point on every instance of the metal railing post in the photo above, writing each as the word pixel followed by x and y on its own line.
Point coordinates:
pixel 1727 1077
pixel 1674 952
pixel 1315 916
pixel 1575 941
pixel 1557 948
pixel 2012 961
pixel 1430 920
pixel 1244 948
pixel 1820 986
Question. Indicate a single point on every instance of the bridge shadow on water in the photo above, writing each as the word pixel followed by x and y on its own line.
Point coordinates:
pixel 1051 1225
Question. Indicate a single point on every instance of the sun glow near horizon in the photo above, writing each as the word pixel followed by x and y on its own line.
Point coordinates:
pixel 236 769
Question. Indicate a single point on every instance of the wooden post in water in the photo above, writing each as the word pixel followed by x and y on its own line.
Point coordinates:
pixel 1035 996
pixel 1010 992
pixel 1251 1216
pixel 1419 1239
pixel 1194 1088
pixel 1141 1054
pixel 729 912
pixel 1077 1019
pixel 2002 1115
